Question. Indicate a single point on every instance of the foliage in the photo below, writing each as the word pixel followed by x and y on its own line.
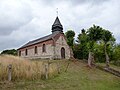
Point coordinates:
pixel 70 37
pixel 99 52
pixel 116 55
pixel 11 52
pixel 97 40
pixel 82 51
pixel 94 34
pixel 107 37
pixel 77 51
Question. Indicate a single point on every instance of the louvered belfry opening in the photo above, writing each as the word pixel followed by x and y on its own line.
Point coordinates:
pixel 57 26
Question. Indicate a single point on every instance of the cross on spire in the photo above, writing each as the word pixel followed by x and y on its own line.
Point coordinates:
pixel 57 11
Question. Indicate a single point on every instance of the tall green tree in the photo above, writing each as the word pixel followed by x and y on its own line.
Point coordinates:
pixel 107 37
pixel 94 34
pixel 82 41
pixel 70 34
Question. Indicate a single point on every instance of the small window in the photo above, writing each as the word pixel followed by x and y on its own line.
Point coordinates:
pixel 44 48
pixel 19 53
pixel 26 52
pixel 36 50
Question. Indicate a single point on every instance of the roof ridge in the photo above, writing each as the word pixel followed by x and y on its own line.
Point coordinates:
pixel 44 38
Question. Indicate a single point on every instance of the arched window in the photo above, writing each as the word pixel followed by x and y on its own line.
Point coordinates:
pixel 26 52
pixel 36 50
pixel 44 48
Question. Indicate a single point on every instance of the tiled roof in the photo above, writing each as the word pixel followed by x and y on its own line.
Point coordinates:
pixel 40 40
pixel 56 28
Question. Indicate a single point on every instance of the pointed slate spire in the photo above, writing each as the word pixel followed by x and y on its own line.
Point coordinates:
pixel 57 26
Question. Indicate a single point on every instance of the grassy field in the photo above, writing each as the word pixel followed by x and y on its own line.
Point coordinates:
pixel 111 66
pixel 23 69
pixel 77 77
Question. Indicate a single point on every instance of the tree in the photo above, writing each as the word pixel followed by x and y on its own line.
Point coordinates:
pixel 70 41
pixel 82 41
pixel 116 55
pixel 70 37
pixel 99 52
pixel 11 52
pixel 94 34
pixel 107 37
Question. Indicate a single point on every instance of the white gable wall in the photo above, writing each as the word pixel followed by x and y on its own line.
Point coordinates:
pixel 61 42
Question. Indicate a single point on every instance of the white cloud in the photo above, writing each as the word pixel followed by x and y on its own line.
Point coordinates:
pixel 13 15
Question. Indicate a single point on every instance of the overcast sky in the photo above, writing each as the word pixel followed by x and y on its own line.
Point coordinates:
pixel 25 20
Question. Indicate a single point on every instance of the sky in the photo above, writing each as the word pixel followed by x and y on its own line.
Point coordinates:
pixel 25 20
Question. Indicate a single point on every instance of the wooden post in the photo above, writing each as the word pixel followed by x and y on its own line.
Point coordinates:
pixel 67 67
pixel 58 68
pixel 46 71
pixel 48 67
pixel 9 72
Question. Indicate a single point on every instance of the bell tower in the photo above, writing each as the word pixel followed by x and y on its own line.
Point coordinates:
pixel 57 26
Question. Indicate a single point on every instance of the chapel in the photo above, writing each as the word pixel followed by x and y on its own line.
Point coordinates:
pixel 52 46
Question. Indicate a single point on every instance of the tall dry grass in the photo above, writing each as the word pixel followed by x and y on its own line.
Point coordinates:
pixel 23 69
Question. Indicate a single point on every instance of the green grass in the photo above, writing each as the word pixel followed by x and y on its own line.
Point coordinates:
pixel 78 77
pixel 111 66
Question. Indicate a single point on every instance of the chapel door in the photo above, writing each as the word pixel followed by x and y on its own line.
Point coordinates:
pixel 62 53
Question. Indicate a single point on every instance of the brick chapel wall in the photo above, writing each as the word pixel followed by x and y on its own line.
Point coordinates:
pixel 42 55
pixel 61 42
